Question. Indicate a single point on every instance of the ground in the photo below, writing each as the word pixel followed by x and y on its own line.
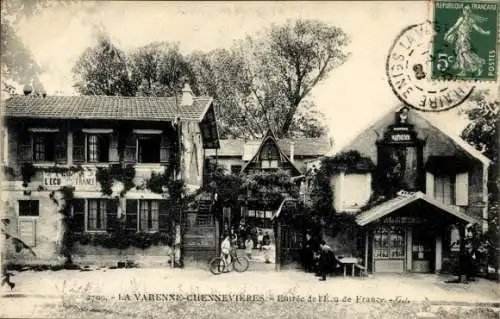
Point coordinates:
pixel 166 292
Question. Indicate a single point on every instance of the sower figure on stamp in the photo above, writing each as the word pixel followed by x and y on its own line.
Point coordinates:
pixel 460 33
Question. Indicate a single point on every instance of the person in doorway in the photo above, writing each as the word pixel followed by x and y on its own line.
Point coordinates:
pixel 260 239
pixel 326 260
pixel 249 246
pixel 225 249
pixel 266 245
pixel 308 250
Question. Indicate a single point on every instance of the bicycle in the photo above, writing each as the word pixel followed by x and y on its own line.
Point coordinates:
pixel 217 265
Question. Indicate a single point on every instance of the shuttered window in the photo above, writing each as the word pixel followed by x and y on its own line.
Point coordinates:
pixel 444 189
pixel 44 147
pixel 98 148
pixel 131 215
pixel 78 221
pixel 148 215
pixel 96 216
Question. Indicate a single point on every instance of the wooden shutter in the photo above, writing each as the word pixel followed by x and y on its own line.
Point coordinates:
pixel 429 184
pixel 24 146
pixel 462 189
pixel 113 148
pixel 164 220
pixel 164 148
pixel 130 155
pixel 131 215
pixel 111 215
pixel 61 154
pixel 78 147
pixel 78 222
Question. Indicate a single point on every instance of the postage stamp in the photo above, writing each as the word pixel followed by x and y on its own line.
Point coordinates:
pixel 465 40
pixel 408 70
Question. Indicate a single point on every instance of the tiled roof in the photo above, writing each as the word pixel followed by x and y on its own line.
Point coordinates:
pixel 104 107
pixel 246 150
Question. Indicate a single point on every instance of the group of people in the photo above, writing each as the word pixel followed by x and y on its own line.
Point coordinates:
pixel 318 257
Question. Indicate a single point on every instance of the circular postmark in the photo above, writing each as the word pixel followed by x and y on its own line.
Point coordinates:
pixel 408 70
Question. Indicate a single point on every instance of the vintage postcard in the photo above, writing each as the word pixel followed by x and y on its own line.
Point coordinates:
pixel 249 159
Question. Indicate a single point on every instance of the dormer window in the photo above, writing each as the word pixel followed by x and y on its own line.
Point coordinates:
pixel 269 156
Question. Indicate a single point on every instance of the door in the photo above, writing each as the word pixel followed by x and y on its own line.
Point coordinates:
pixel 422 250
pixel 389 249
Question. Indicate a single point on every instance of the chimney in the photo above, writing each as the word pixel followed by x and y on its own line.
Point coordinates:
pixel 292 151
pixel 187 95
pixel 27 89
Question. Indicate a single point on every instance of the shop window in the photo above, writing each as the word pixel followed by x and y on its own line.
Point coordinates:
pixel 29 208
pixel 148 215
pixel 96 216
pixel 44 147
pixel 444 189
pixel 98 148
pixel 149 149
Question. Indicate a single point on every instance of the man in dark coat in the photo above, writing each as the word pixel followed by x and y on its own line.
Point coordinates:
pixel 310 246
pixel 327 261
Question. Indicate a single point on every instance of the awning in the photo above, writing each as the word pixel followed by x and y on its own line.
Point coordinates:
pixel 402 200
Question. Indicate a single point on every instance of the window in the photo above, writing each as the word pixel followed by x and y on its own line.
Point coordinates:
pixel 149 148
pixel 444 189
pixel 269 155
pixel 28 208
pixel 97 209
pixel 43 147
pixel 148 215
pixel 235 169
pixel 98 148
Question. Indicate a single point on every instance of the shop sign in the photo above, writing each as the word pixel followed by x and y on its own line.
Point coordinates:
pixel 402 220
pixel 84 178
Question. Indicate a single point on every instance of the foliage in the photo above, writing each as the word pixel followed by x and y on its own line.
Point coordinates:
pixel 269 188
pixel 65 209
pixel 106 176
pixel 159 183
pixel 482 133
pixel 123 240
pixel 159 69
pixel 18 66
pixel 103 70
pixel 9 171
pixel 28 171
pixel 322 193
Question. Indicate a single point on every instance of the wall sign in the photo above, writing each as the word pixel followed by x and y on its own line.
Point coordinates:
pixel 84 178
pixel 402 220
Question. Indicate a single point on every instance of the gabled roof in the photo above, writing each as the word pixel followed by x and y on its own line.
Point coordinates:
pixel 312 147
pixel 469 149
pixel 104 108
pixel 269 136
pixel 400 201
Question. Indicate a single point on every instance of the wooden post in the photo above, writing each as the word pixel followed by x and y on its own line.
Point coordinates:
pixel 462 260
pixel 367 233
pixel 439 253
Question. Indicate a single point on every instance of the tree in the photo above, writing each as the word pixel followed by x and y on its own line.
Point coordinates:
pixel 482 133
pixel 103 70
pixel 18 67
pixel 262 82
pixel 160 69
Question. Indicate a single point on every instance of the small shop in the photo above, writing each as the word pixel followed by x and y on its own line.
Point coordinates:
pixel 408 234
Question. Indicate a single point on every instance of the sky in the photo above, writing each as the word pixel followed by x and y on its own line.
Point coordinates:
pixel 352 97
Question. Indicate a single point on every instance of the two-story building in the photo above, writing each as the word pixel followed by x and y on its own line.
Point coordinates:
pixel 411 208
pixel 269 154
pixel 106 148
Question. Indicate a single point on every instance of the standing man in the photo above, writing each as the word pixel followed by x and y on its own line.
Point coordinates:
pixel 326 259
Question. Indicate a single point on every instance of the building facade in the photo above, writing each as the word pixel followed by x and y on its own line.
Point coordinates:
pixel 411 209
pixel 108 150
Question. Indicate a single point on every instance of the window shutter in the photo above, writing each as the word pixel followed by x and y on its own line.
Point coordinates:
pixel 78 147
pixel 111 215
pixel 113 148
pixel 24 146
pixel 164 220
pixel 130 155
pixel 131 215
pixel 61 154
pixel 164 149
pixel 462 189
pixel 78 222
pixel 429 184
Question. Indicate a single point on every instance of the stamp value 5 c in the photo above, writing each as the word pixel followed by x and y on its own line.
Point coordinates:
pixel 465 40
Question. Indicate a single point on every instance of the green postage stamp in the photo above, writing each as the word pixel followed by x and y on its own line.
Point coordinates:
pixel 465 41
